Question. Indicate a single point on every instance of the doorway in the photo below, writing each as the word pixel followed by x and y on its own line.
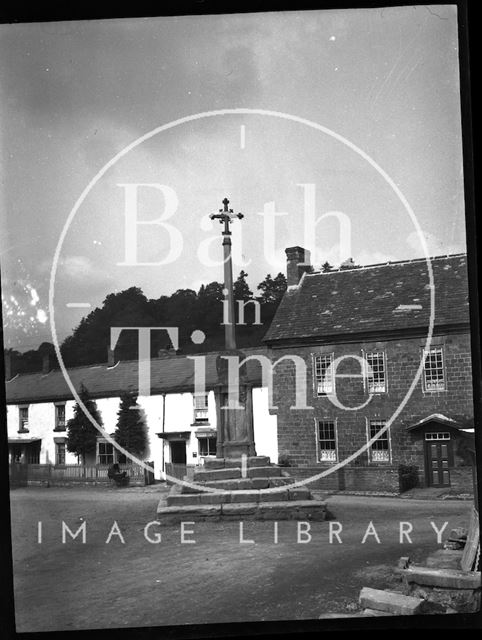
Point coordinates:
pixel 439 458
pixel 178 451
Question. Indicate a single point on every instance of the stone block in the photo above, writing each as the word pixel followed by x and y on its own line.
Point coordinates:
pixel 447 578
pixel 244 496
pixel 375 612
pixel 239 509
pixel 260 483
pixel 251 461
pixel 299 493
pixel 214 463
pixel 217 474
pixel 273 496
pixel 263 472
pixel 183 499
pixel 191 513
pixel 243 484
pixel 218 497
pixel 391 602
pixel 444 559
pixel 280 482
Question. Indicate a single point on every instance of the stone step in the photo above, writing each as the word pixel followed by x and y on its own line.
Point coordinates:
pixel 234 473
pixel 391 602
pixel 248 495
pixel 226 463
pixel 442 578
pixel 305 510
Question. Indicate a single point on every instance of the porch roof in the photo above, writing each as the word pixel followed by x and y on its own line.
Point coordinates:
pixel 23 440
pixel 444 421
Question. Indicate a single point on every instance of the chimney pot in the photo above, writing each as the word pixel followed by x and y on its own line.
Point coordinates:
pixel 298 262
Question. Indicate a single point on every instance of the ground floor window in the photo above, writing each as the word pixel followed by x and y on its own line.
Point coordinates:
pixel 207 446
pixel 380 449
pixel 326 441
pixel 60 453
pixel 105 453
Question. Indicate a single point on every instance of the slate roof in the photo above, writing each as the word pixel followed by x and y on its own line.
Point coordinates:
pixel 378 298
pixel 168 375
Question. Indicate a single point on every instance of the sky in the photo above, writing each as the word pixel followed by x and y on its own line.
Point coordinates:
pixel 73 95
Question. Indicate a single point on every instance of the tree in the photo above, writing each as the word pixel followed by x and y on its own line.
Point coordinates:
pixel 131 431
pixel 326 267
pixel 272 289
pixel 349 264
pixel 81 433
pixel 241 287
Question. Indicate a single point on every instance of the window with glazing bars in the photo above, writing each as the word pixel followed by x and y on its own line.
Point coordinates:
pixel 326 441
pixel 23 418
pixel 433 372
pixel 376 377
pixel 380 449
pixel 201 407
pixel 323 374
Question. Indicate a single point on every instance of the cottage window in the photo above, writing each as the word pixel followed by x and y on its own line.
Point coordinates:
pixel 23 419
pixel 380 449
pixel 323 374
pixel 327 441
pixel 207 446
pixel 376 377
pixel 60 417
pixel 433 373
pixel 60 453
pixel 201 408
pixel 106 453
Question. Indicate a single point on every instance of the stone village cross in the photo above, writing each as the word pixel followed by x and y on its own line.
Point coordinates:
pixel 235 434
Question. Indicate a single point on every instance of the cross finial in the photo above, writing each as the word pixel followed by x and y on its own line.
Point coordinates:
pixel 226 217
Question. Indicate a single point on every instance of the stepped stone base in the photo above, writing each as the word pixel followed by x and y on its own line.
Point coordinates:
pixel 250 488
pixel 305 510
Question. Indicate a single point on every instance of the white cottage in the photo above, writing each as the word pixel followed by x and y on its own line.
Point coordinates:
pixel 181 425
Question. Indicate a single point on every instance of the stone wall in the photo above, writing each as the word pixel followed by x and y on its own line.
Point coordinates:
pixel 297 434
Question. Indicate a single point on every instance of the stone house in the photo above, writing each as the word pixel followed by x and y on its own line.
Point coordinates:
pixel 362 336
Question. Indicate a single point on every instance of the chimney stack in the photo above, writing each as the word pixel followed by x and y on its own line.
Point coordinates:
pixel 110 357
pixel 45 363
pixel 298 261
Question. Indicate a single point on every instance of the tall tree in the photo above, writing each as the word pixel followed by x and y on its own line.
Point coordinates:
pixel 81 433
pixel 131 431
pixel 241 287
pixel 272 289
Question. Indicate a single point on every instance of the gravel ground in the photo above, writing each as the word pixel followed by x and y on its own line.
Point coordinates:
pixel 217 579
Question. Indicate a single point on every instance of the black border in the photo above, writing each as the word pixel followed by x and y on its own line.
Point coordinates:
pixel 467 25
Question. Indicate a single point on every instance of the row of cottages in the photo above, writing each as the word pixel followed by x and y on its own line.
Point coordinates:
pixel 181 425
pixel 379 317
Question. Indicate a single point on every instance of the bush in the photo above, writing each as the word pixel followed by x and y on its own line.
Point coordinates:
pixel 407 476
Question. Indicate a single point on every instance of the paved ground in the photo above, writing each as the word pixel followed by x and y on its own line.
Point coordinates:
pixel 217 579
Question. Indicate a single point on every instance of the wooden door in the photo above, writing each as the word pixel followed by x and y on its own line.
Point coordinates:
pixel 438 456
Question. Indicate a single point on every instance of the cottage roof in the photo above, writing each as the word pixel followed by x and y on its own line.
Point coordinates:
pixel 380 298
pixel 168 375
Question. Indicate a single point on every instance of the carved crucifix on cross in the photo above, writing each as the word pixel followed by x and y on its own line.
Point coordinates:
pixel 226 217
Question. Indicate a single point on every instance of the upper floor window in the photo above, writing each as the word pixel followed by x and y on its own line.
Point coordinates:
pixel 59 417
pixel 323 374
pixel 376 375
pixel 327 441
pixel 201 407
pixel 23 418
pixel 380 449
pixel 433 372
